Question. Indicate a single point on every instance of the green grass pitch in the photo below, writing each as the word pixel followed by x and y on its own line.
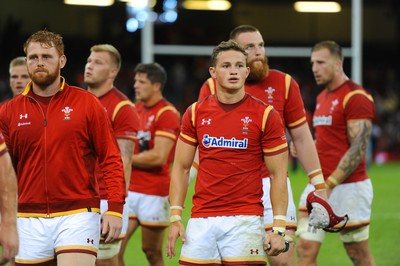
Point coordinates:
pixel 384 232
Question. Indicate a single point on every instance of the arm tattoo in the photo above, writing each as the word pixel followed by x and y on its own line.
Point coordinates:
pixel 358 133
pixel 126 147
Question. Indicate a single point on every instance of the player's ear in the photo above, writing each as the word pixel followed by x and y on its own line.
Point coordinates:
pixel 63 61
pixel 212 72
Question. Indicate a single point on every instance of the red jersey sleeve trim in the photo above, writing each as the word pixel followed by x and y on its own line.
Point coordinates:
pixel 351 94
pixel 119 106
pixel 211 85
pixel 165 134
pixel 3 148
pixel 275 149
pixel 187 138
pixel 128 137
pixel 193 118
pixel 114 214
pixel 265 117
pixel 166 108
pixel 298 122
pixel 288 80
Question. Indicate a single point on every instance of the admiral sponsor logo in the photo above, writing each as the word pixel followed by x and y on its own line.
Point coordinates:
pixel 24 124
pixel 221 142
pixel 322 120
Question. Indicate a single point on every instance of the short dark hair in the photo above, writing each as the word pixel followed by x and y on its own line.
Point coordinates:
pixel 241 29
pixel 226 46
pixel 155 72
pixel 334 48
pixel 47 38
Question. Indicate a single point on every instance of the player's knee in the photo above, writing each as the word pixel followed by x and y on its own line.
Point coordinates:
pixel 356 235
pixel 308 243
pixel 152 254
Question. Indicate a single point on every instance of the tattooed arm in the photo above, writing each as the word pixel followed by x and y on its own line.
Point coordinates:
pixel 126 147
pixel 358 133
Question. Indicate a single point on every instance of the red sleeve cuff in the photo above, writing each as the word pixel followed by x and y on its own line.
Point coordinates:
pixel 116 207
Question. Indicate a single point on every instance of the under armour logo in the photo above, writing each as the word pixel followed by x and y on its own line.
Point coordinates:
pixel 23 116
pixel 252 251
pixel 206 121
pixel 90 241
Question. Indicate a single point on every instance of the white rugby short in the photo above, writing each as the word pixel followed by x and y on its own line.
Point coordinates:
pixel 224 240
pixel 291 220
pixel 149 210
pixel 353 199
pixel 42 239
pixel 125 216
pixel 109 250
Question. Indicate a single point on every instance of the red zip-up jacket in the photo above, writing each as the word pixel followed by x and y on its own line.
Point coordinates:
pixel 54 153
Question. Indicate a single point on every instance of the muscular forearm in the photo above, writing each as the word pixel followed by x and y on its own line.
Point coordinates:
pixel 305 148
pixel 126 147
pixel 358 133
pixel 147 159
pixel 277 167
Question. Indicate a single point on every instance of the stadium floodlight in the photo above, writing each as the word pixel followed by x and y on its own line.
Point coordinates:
pixel 212 5
pixel 89 2
pixel 317 7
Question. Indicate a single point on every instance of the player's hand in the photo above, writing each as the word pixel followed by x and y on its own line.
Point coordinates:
pixel 111 227
pixel 323 193
pixel 274 244
pixel 292 149
pixel 176 229
pixel 9 242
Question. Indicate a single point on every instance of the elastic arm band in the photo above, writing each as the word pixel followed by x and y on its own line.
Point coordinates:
pixel 331 182
pixel 276 232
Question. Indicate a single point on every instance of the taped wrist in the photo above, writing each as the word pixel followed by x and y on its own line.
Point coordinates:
pixel 317 179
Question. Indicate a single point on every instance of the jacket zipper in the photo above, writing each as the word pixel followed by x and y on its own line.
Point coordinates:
pixel 45 151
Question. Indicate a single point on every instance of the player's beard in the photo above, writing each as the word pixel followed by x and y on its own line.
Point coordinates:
pixel 258 70
pixel 46 78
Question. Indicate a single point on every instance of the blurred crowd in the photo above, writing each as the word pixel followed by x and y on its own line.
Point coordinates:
pixel 187 73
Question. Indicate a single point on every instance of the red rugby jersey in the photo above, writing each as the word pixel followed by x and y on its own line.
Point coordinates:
pixel 333 110
pixel 124 121
pixel 232 141
pixel 277 89
pixel 161 119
